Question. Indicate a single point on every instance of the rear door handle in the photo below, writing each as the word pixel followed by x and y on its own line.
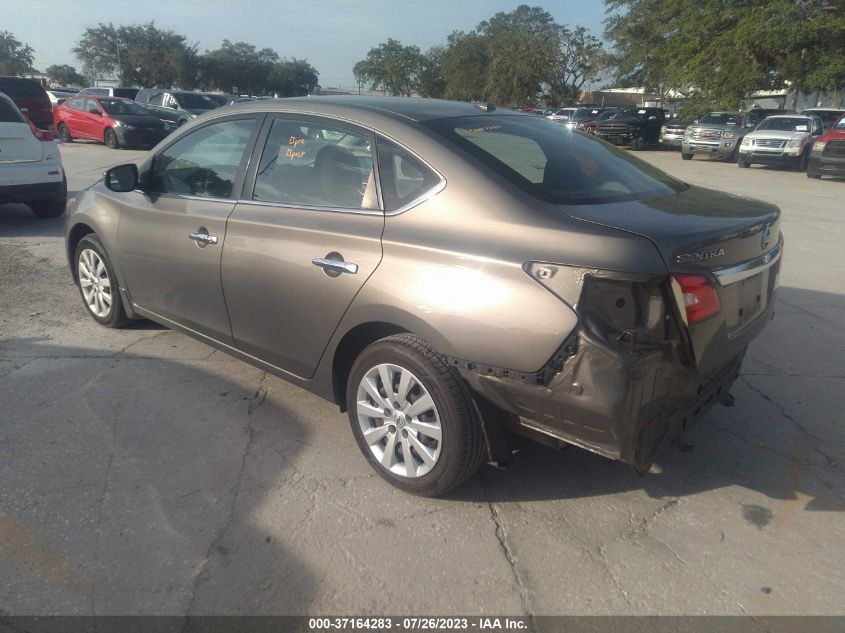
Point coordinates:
pixel 202 238
pixel 335 266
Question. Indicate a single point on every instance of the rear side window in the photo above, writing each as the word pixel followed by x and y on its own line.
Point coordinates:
pixel 317 164
pixel 204 162
pixel 76 103
pixel 404 177
pixel 553 163
pixel 9 112
pixel 20 88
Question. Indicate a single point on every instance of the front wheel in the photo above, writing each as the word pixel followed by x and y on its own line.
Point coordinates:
pixel 110 139
pixel 803 161
pixel 686 156
pixel 813 175
pixel 743 164
pixel 413 416
pixel 638 144
pixel 98 283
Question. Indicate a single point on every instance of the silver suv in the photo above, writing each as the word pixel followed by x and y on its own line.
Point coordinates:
pixel 718 134
pixel 442 271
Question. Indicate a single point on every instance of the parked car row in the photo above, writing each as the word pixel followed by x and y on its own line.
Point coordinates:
pixel 813 139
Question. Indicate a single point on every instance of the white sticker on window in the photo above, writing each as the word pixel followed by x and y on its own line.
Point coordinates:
pixel 801 128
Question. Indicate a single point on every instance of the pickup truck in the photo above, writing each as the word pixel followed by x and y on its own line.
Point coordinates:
pixel 636 126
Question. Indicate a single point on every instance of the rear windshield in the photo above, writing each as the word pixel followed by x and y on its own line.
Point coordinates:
pixel 553 163
pixel 20 88
pixel 827 116
pixel 722 118
pixel 194 101
pixel 9 112
pixel 121 106
pixel 127 93
pixel 786 124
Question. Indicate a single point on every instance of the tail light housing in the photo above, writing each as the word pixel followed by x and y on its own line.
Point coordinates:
pixel 41 135
pixel 696 296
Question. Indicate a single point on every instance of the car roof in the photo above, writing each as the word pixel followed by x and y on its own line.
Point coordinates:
pixel 789 116
pixel 407 108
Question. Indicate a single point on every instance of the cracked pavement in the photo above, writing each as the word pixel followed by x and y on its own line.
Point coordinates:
pixel 143 472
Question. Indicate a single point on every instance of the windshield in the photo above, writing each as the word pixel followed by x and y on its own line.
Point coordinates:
pixel 582 114
pixel 722 118
pixel 119 106
pixel 193 101
pixel 553 163
pixel 607 114
pixel 785 124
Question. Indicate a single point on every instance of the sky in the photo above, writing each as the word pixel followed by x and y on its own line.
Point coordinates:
pixel 331 34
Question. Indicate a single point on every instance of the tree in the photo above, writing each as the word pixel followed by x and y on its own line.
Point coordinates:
pixel 432 82
pixel 15 58
pixel 580 58
pixel 139 54
pixel 522 48
pixel 465 62
pixel 719 51
pixel 391 67
pixel 64 75
pixel 238 65
pixel 292 78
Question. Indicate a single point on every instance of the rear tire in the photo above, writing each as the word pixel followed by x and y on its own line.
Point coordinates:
pixel 686 156
pixel 64 133
pixel 110 139
pixel 417 377
pixel 105 306
pixel 51 208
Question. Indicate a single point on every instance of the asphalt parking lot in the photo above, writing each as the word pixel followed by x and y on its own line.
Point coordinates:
pixel 145 473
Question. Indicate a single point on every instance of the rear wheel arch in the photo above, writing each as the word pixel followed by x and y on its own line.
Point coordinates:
pixel 355 341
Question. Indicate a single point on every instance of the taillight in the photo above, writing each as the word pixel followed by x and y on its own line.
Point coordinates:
pixel 697 296
pixel 41 135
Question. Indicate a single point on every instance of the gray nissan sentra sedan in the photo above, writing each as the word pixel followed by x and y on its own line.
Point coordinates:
pixel 442 271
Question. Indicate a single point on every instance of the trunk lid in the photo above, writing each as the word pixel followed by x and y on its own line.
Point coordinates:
pixel 18 144
pixel 735 242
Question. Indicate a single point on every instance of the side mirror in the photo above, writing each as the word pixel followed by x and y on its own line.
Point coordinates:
pixel 652 118
pixel 695 121
pixel 122 178
pixel 94 111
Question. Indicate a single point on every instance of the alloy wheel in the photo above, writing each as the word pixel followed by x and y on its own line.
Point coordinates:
pixel 95 283
pixel 399 420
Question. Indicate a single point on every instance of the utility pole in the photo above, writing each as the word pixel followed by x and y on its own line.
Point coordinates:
pixel 117 45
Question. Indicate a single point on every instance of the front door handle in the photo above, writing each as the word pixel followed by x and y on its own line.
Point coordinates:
pixel 335 266
pixel 202 238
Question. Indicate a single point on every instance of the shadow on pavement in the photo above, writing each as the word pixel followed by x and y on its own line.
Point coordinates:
pixel 132 485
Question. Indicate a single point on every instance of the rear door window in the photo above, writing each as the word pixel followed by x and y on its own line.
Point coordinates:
pixel 316 163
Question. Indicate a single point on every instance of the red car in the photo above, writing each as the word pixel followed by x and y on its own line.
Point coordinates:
pixel 114 121
pixel 827 157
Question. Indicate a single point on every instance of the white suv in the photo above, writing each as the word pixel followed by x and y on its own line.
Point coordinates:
pixel 30 164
